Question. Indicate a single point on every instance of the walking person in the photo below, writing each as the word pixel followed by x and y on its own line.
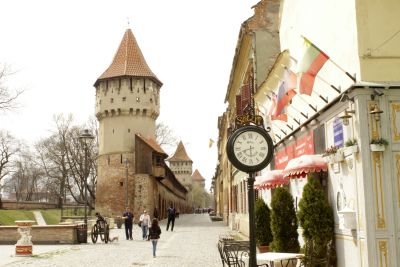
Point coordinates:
pixel 156 213
pixel 154 234
pixel 171 217
pixel 144 223
pixel 128 216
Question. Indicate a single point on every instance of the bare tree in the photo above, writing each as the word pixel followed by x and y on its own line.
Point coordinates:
pixel 27 176
pixel 63 159
pixel 197 196
pixel 165 136
pixel 53 156
pixel 7 98
pixel 8 148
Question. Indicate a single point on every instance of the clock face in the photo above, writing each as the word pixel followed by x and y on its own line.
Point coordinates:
pixel 250 148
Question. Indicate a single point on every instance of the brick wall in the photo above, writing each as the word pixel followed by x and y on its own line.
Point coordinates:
pixel 110 190
pixel 48 234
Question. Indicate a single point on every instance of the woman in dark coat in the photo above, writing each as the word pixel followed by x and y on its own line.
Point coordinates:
pixel 154 234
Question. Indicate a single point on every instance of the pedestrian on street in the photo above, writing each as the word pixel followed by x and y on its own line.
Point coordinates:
pixel 154 234
pixel 144 223
pixel 128 216
pixel 156 213
pixel 171 217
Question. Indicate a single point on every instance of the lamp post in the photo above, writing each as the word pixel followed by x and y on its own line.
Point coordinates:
pixel 126 182
pixel 86 137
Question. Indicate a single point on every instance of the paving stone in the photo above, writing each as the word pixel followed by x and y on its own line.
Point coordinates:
pixel 192 243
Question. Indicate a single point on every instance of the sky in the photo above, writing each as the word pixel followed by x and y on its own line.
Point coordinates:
pixel 58 49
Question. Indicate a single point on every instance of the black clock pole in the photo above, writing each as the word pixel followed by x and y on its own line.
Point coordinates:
pixel 252 225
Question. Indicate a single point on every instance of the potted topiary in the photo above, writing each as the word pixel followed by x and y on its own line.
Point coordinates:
pixel 284 222
pixel 316 218
pixel 350 147
pixel 378 144
pixel 263 225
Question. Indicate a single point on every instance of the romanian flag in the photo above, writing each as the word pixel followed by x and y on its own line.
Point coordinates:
pixel 312 61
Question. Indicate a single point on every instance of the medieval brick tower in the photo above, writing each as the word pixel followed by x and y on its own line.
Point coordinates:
pixel 127 102
pixel 181 165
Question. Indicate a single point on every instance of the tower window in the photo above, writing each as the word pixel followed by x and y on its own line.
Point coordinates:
pixel 124 99
pixel 121 183
pixel 144 112
pixel 112 100
pixel 129 130
pixel 130 84
pixel 121 159
pixel 151 100
pixel 137 111
pixel 108 160
pixel 113 130
pixel 131 111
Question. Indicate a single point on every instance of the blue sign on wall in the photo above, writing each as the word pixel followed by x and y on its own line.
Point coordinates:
pixel 338 132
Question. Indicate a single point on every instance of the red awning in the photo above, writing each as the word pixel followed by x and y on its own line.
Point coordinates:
pixel 270 179
pixel 299 167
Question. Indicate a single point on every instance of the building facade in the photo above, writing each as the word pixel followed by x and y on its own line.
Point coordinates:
pixel 127 104
pixel 355 96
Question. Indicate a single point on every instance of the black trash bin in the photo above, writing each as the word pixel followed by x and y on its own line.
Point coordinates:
pixel 81 232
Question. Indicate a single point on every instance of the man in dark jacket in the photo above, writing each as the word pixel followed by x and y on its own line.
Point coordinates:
pixel 128 216
pixel 171 217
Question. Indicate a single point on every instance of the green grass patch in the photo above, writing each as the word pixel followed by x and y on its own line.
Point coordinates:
pixel 51 216
pixel 8 217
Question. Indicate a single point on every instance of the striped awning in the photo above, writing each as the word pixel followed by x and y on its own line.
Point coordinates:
pixel 299 167
pixel 270 180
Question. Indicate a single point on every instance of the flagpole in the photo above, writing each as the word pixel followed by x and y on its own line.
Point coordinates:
pixel 320 96
pixel 334 63
pixel 311 106
pixel 332 86
pixel 279 128
pixel 304 115
pixel 293 118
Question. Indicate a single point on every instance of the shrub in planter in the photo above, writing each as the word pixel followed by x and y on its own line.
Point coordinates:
pixel 283 222
pixel 350 142
pixel 378 144
pixel 316 219
pixel 263 224
pixel 379 141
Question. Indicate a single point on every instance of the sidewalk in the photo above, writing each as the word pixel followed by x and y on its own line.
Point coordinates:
pixel 192 243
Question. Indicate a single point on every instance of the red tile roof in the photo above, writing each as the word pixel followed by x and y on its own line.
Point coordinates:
pixel 196 176
pixel 128 61
pixel 180 154
pixel 152 143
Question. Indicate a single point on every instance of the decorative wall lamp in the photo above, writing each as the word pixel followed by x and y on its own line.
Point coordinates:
pixel 345 118
pixel 376 113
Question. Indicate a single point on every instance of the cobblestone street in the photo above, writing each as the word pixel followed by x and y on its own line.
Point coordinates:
pixel 192 243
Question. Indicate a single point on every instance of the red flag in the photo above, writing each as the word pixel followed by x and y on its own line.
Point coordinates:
pixel 312 61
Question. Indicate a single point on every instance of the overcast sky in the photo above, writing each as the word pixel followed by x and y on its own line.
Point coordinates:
pixel 59 48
